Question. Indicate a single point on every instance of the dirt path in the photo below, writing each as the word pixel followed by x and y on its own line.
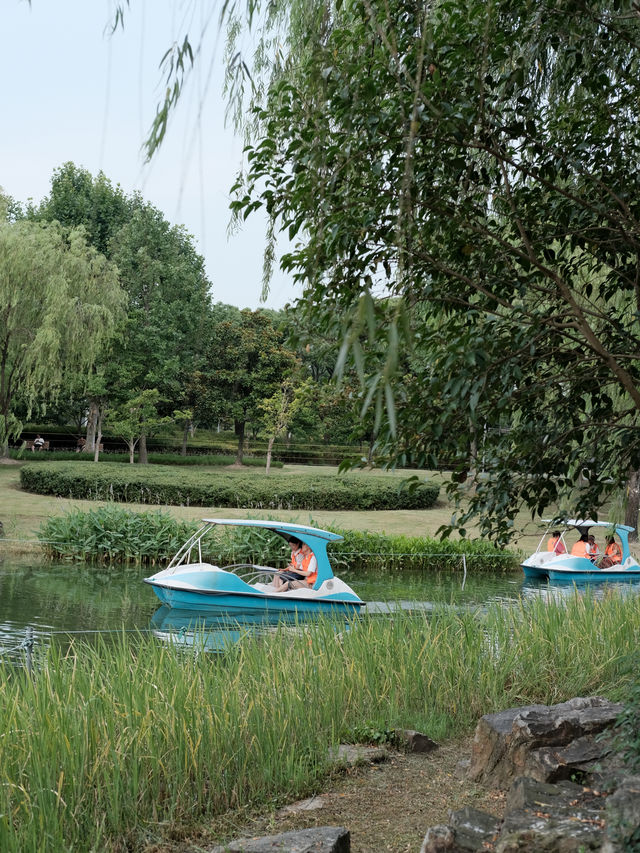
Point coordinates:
pixel 386 807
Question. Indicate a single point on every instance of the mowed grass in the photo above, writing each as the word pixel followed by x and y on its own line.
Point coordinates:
pixel 22 513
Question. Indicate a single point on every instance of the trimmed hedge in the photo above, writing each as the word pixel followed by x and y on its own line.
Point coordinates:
pixel 154 458
pixel 114 534
pixel 254 490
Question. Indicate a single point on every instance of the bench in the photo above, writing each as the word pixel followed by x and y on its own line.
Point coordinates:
pixel 29 445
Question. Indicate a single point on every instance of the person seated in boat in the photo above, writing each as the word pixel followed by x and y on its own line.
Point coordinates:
pixel 281 579
pixel 612 554
pixel 593 550
pixel 556 544
pixel 581 548
pixel 305 573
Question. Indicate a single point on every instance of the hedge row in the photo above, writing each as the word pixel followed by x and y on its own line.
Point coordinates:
pixel 113 534
pixel 255 490
pixel 204 459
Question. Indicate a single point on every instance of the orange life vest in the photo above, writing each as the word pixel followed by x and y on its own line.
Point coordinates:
pixel 614 552
pixel 580 549
pixel 556 545
pixel 306 561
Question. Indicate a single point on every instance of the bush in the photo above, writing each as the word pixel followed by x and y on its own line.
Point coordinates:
pixel 114 534
pixel 378 552
pixel 155 485
pixel 158 458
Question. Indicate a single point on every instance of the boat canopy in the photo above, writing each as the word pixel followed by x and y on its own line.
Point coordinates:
pixel 587 522
pixel 314 537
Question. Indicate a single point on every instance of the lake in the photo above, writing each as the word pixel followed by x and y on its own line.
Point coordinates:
pixel 67 599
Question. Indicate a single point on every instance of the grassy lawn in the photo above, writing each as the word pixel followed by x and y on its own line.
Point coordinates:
pixel 22 513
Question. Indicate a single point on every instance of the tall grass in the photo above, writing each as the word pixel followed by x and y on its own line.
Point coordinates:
pixel 107 745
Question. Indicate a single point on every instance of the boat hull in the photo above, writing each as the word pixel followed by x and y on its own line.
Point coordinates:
pixel 570 569
pixel 250 603
pixel 202 586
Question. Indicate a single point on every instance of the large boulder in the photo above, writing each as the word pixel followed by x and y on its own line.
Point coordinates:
pixel 567 791
pixel 545 742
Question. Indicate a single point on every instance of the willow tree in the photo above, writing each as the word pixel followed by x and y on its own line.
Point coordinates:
pixel 477 162
pixel 59 302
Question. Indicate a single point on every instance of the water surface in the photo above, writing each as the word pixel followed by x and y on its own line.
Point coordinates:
pixel 73 599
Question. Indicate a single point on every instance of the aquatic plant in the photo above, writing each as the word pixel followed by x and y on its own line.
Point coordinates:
pixel 107 745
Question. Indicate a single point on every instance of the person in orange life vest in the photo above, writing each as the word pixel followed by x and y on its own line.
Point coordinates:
pixel 307 570
pixel 581 548
pixel 613 551
pixel 592 549
pixel 281 579
pixel 556 544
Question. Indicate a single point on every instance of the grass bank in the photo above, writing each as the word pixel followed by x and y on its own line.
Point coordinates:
pixel 22 513
pixel 112 746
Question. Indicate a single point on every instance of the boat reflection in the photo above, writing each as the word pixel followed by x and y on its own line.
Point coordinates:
pixel 217 631
pixel 556 591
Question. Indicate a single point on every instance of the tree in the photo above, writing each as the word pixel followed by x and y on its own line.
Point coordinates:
pixel 168 307
pixel 137 416
pixel 248 362
pixel 478 164
pixel 160 339
pixel 59 302
pixel 279 410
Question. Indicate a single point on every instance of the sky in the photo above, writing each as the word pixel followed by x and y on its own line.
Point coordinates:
pixel 71 91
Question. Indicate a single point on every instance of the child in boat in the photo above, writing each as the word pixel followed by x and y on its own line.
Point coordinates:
pixel 281 579
pixel 301 572
pixel 581 548
pixel 612 554
pixel 593 552
pixel 307 570
pixel 556 544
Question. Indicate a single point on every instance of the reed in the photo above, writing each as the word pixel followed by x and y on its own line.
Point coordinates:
pixel 109 744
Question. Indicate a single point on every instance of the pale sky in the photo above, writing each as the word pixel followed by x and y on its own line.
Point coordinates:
pixel 71 91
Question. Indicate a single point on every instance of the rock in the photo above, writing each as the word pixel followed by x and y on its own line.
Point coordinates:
pixel 353 754
pixel 623 818
pixel 308 805
pixel 440 839
pixel 413 741
pixel 322 839
pixel 541 754
pixel 469 830
pixel 531 741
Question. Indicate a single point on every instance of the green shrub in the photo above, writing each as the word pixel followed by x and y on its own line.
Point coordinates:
pixel 378 552
pixel 155 485
pixel 114 534
pixel 158 458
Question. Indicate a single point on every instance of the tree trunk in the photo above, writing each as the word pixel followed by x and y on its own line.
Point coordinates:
pixel 132 446
pixel 239 430
pixel 269 449
pixel 143 458
pixel 91 426
pixel 632 505
pixel 96 451
pixel 185 436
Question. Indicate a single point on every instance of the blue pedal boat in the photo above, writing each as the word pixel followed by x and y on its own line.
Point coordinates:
pixel 546 565
pixel 189 582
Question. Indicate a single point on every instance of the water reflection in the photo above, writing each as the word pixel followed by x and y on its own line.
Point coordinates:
pixel 217 631
pixel 60 600
pixel 561 591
